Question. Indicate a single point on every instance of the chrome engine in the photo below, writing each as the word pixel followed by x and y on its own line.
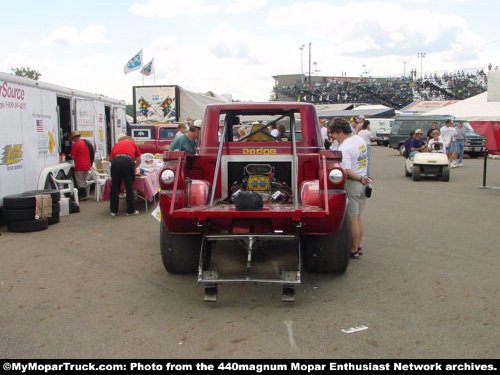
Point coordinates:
pixel 260 178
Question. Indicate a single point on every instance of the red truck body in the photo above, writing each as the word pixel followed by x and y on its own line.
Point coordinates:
pixel 301 183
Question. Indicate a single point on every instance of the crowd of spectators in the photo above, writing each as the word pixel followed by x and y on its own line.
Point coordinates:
pixel 393 92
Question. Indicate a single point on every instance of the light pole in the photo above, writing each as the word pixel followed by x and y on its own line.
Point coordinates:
pixel 302 60
pixel 421 55
pixel 310 64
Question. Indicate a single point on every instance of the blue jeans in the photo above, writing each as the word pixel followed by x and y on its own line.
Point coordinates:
pixel 459 149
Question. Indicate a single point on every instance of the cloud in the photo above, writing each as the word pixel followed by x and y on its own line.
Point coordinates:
pixel 240 6
pixel 66 35
pixel 371 29
pixel 25 44
pixel 171 9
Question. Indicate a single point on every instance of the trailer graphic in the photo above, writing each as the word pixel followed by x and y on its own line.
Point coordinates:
pixel 35 121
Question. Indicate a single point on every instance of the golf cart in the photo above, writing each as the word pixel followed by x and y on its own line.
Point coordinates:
pixel 428 164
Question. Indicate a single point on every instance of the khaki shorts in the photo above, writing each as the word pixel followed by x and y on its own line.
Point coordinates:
pixel 81 178
pixel 357 198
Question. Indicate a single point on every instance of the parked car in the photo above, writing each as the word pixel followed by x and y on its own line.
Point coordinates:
pixel 153 138
pixel 381 128
pixel 404 124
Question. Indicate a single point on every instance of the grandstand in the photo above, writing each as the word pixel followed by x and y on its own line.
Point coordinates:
pixel 392 92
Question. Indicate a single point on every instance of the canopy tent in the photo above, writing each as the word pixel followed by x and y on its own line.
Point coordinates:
pixel 494 86
pixel 423 106
pixel 483 116
pixel 368 113
pixel 334 107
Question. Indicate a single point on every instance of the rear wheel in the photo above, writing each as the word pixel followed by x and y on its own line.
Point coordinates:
pixel 180 253
pixel 328 254
pixel 445 174
pixel 415 173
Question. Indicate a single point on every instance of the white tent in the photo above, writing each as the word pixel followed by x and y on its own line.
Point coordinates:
pixel 484 116
pixel 494 86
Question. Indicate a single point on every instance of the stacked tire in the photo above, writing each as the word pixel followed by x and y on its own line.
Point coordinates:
pixel 19 211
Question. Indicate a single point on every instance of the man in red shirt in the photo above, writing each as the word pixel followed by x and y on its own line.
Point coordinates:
pixel 81 155
pixel 125 158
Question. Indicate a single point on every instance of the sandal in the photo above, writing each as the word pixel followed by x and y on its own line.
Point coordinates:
pixel 355 254
pixel 360 250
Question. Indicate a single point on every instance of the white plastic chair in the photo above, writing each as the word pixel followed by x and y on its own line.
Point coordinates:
pixel 100 181
pixel 70 188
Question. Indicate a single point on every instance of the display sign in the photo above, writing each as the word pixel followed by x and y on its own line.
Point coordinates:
pixel 154 104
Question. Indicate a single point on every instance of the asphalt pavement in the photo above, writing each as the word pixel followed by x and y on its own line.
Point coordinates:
pixel 93 286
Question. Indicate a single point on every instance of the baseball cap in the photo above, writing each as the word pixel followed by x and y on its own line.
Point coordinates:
pixel 419 131
pixel 197 123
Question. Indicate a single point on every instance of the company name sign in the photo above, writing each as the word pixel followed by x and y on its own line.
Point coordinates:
pixel 9 92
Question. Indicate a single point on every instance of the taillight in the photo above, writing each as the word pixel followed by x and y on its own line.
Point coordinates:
pixel 335 176
pixel 167 176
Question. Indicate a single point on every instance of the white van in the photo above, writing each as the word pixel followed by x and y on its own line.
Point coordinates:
pixel 381 128
pixel 35 120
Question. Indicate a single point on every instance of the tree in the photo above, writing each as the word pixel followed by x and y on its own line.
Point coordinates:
pixel 26 72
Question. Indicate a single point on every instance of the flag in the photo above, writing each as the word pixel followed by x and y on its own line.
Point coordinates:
pixel 148 68
pixel 39 126
pixel 134 63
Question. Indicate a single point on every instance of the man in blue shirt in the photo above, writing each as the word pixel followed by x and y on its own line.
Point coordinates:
pixel 417 144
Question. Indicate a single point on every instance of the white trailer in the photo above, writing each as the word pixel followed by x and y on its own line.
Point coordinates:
pixel 35 121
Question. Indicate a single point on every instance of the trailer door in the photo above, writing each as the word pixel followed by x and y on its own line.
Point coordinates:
pixel 85 118
pixel 119 123
pixel 100 130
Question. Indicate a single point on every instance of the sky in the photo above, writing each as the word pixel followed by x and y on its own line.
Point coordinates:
pixel 236 46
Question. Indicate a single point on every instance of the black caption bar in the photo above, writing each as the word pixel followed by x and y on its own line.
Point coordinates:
pixel 247 366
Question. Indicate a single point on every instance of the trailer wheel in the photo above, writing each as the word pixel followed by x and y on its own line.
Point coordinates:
pixel 54 194
pixel 179 253
pixel 11 215
pixel 445 174
pixel 328 254
pixel 28 226
pixel 415 173
pixel 54 219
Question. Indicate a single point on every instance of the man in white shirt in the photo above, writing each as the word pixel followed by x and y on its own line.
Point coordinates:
pixel 436 143
pixel 355 162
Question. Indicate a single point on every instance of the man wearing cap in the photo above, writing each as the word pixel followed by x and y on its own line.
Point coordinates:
pixel 417 144
pixel 187 141
pixel 81 154
pixel 125 158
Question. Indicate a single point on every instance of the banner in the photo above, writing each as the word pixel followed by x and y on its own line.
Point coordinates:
pixel 134 63
pixel 148 69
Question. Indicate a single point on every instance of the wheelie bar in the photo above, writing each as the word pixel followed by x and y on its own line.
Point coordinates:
pixel 211 278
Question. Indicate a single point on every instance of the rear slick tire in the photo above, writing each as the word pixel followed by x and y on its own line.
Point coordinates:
pixel 180 253
pixel 330 253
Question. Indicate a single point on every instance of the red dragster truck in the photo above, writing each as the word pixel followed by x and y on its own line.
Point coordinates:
pixel 247 186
